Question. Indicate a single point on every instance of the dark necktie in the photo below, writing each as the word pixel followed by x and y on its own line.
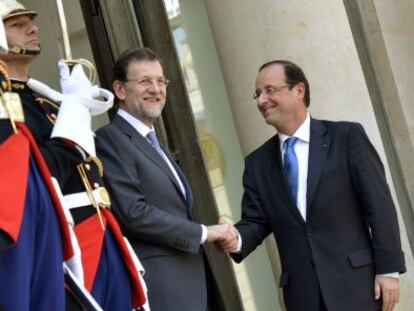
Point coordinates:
pixel 290 167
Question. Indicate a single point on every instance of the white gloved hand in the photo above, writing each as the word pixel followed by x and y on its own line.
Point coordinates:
pixel 74 81
pixel 75 112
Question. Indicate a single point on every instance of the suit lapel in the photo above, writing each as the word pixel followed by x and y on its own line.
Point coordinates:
pixel 318 151
pixel 145 147
pixel 275 174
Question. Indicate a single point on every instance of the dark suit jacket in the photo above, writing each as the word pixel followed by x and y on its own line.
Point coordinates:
pixel 351 231
pixel 155 216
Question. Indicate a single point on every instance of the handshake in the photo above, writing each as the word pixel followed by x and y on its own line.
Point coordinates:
pixel 224 235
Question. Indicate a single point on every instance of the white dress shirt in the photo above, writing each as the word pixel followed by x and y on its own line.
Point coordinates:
pixel 302 153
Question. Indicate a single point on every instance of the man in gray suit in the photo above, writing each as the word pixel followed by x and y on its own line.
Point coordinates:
pixel 151 196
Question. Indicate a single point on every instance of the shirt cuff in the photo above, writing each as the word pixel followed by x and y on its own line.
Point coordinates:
pixel 393 274
pixel 203 234
pixel 239 244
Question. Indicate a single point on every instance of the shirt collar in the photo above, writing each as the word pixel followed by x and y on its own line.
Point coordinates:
pixel 138 125
pixel 303 132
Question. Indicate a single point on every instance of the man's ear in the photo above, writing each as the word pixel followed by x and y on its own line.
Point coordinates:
pixel 300 89
pixel 119 90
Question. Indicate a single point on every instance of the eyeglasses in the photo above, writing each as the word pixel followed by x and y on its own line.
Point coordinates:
pixel 268 91
pixel 161 82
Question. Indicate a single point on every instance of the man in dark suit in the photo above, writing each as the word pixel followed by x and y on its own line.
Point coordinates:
pixel 151 196
pixel 320 188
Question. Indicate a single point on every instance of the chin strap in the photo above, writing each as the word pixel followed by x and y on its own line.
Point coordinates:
pixel 15 49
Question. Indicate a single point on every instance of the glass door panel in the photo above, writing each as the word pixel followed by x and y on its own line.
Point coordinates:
pixel 217 137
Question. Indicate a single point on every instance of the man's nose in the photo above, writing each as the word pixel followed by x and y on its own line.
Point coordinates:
pixel 154 87
pixel 262 99
pixel 33 29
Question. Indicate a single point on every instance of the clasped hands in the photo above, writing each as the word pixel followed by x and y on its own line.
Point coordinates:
pixel 224 235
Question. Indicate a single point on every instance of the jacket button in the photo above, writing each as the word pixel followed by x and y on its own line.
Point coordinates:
pixel 312 264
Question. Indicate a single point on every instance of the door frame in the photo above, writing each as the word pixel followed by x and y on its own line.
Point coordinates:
pixel 114 26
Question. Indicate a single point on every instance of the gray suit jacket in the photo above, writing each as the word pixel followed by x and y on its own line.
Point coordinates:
pixel 155 216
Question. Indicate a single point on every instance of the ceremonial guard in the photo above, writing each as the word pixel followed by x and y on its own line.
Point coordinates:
pixel 34 236
pixel 61 125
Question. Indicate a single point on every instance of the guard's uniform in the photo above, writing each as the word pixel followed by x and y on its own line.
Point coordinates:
pixel 110 274
pixel 34 236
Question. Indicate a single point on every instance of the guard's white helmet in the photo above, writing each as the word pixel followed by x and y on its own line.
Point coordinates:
pixel 11 8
